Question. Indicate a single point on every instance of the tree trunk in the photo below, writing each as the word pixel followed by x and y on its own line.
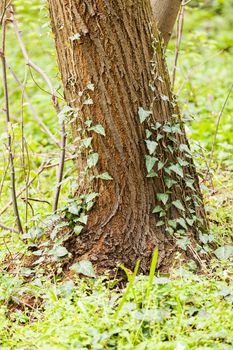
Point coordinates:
pixel 165 12
pixel 113 73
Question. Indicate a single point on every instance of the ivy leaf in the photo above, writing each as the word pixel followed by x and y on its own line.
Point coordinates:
pixel 87 142
pixel 190 222
pixel 89 197
pixel 176 168
pixel 160 165
pixel 156 126
pixel 78 229
pixel 74 208
pixel 150 162
pixel 148 133
pixel 99 129
pixel 169 182
pixel 172 223
pixel 88 101
pixel 163 197
pixel 84 267
pixel 83 219
pixel 143 115
pixel 104 176
pixel 182 223
pixel 91 86
pixel 160 223
pixel 75 37
pixel 182 162
pixel 183 243
pixel 224 252
pixel 35 232
pixel 66 111
pixel 184 148
pixel 178 205
pixel 157 209
pixel 189 183
pixel 151 146
pixel 159 137
pixel 164 97
pixel 59 252
pixel 92 159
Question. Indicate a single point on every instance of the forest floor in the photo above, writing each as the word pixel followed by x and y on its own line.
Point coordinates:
pixel 180 311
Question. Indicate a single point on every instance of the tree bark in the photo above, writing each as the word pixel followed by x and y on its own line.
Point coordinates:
pixel 165 12
pixel 114 46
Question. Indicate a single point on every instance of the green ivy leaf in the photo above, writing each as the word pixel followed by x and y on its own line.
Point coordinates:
pixel 151 146
pixel 143 115
pixel 160 165
pixel 34 233
pixel 89 197
pixel 163 197
pixel 150 162
pixel 78 229
pixel 157 209
pixel 183 243
pixel 182 223
pixel 87 142
pixel 160 223
pixel 169 182
pixel 59 252
pixel 148 133
pixel 164 97
pixel 99 129
pixel 104 176
pixel 88 101
pixel 84 267
pixel 184 148
pixel 74 208
pixel 172 223
pixel 91 86
pixel 224 252
pixel 83 219
pixel 176 168
pixel 178 205
pixel 92 159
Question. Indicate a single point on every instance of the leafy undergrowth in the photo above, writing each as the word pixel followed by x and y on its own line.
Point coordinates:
pixel 184 311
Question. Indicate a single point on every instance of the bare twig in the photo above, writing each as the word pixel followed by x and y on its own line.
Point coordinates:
pixel 60 167
pixel 180 24
pixel 7 111
pixel 34 113
pixel 56 106
pixel 43 167
pixel 217 128
pixel 5 227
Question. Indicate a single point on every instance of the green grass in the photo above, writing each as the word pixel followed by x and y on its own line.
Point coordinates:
pixel 177 312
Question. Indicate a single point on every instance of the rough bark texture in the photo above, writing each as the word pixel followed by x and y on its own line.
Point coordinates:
pixel 165 12
pixel 113 51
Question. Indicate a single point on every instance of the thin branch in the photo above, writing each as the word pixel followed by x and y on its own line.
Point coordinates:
pixel 56 106
pixel 34 113
pixel 217 128
pixel 60 168
pixel 7 112
pixel 180 25
pixel 43 167
pixel 7 228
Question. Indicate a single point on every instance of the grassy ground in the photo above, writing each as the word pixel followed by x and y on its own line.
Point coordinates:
pixel 177 312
